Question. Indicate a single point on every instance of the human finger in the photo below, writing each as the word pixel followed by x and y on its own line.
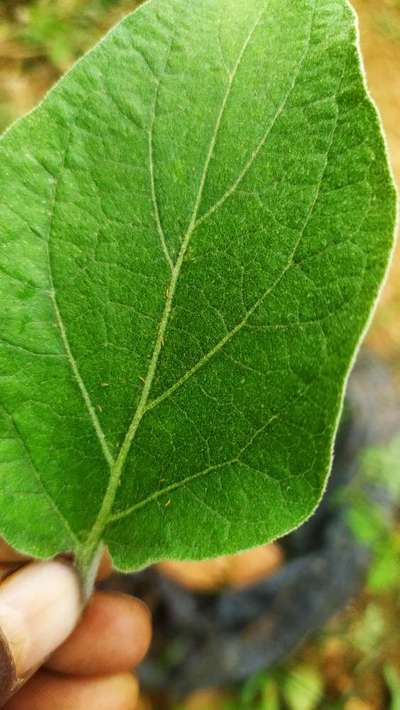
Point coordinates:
pixel 47 691
pixel 113 635
pixel 40 604
pixel 8 554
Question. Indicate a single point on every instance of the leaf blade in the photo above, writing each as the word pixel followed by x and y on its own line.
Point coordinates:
pixel 201 290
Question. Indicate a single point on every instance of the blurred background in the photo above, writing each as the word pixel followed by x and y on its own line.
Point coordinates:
pixel 354 662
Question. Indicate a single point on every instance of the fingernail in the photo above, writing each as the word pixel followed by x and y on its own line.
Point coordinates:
pixel 39 607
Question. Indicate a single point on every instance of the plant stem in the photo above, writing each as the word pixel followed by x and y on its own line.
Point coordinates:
pixel 87 563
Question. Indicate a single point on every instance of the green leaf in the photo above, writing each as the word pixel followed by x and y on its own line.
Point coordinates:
pixel 303 688
pixel 270 696
pixel 370 631
pixel 369 521
pixel 381 464
pixel 195 224
pixel 384 571
pixel 261 691
pixel 393 682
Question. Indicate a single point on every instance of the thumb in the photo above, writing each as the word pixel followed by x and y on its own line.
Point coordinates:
pixel 40 605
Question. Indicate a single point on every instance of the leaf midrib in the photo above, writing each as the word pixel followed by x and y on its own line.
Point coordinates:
pixel 165 395
pixel 117 465
pixel 116 471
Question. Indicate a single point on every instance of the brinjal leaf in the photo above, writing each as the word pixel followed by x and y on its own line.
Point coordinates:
pixel 194 226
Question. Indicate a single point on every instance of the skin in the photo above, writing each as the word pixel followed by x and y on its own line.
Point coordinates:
pixel 93 667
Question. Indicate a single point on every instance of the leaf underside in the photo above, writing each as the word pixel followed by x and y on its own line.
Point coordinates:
pixel 195 223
